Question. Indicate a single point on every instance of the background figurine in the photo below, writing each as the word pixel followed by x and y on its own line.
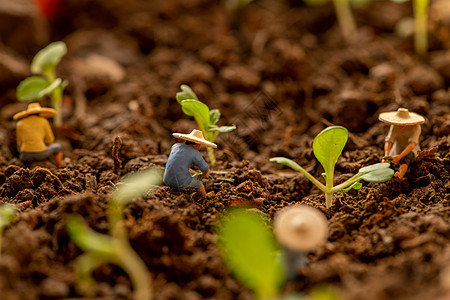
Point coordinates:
pixel 182 156
pixel 402 142
pixel 299 229
pixel 34 135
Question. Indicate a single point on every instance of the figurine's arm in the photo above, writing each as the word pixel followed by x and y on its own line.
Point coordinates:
pixel 409 148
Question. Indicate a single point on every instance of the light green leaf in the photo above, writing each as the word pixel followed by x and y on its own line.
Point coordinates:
pixel 7 215
pixel 287 162
pixel 328 146
pixel 248 248
pixel 35 87
pixel 137 185
pixel 46 60
pixel 186 94
pixel 196 109
pixel 87 239
pixel 293 165
pixel 214 116
pixel 221 129
pixel 374 167
pixel 379 175
pixel 355 186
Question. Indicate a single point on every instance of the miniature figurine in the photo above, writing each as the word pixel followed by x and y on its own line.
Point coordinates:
pixel 402 142
pixel 182 156
pixel 299 229
pixel 34 135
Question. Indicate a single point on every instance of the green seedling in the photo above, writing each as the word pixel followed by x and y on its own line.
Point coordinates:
pixel 206 119
pixel 387 158
pixel 420 25
pixel 344 15
pixel 7 215
pixel 327 148
pixel 115 248
pixel 44 81
pixel 249 249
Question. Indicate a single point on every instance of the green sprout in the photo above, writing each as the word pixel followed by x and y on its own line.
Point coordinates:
pixel 206 119
pixel 7 215
pixel 420 25
pixel 249 249
pixel 44 81
pixel 327 148
pixel 344 15
pixel 114 249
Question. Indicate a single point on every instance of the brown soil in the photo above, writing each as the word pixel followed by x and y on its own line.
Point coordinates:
pixel 281 75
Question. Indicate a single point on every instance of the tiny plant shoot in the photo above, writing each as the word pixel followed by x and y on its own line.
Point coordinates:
pixel 249 248
pixel 344 15
pixel 7 215
pixel 206 119
pixel 327 148
pixel 115 249
pixel 420 25
pixel 44 81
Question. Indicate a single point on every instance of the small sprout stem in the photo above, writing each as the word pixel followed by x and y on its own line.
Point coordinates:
pixel 212 157
pixel 421 33
pixel 345 19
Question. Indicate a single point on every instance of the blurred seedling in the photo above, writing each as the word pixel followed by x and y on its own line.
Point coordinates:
pixel 7 215
pixel 420 25
pixel 206 119
pixel 250 250
pixel 114 248
pixel 327 148
pixel 44 81
pixel 344 15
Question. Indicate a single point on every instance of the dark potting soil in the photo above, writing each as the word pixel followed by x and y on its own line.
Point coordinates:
pixel 281 73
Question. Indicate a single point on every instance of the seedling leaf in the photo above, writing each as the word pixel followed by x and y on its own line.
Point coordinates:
pixel 7 214
pixel 355 186
pixel 35 87
pixel 196 109
pixel 221 129
pixel 137 185
pixel 186 94
pixel 214 116
pixel 248 248
pixel 89 240
pixel 379 175
pixel 328 146
pixel 45 61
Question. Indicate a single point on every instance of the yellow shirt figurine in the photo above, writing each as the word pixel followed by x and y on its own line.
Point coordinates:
pixel 402 142
pixel 34 135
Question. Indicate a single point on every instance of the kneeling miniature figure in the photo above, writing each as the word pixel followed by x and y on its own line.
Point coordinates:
pixel 34 135
pixel 182 157
pixel 402 142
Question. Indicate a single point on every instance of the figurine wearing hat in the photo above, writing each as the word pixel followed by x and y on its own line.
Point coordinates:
pixel 182 156
pixel 299 229
pixel 402 141
pixel 34 134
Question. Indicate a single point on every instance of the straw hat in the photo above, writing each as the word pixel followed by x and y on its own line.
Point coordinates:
pixel 35 108
pixel 195 136
pixel 300 227
pixel 401 117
